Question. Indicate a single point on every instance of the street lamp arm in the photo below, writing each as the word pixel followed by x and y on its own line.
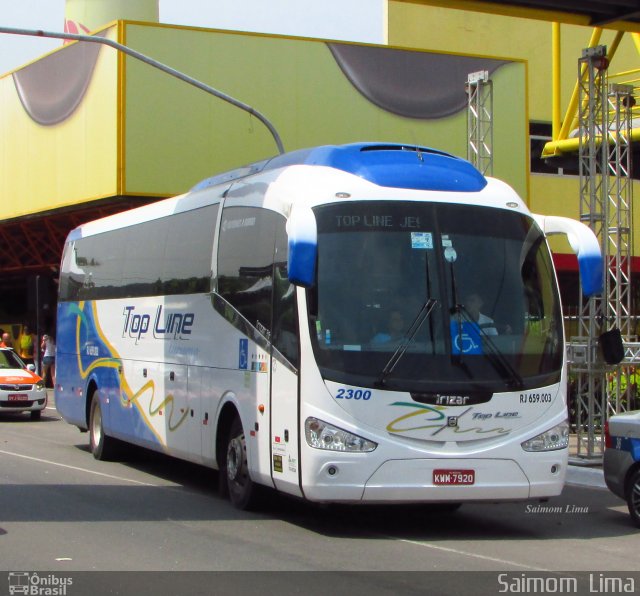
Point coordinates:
pixel 159 65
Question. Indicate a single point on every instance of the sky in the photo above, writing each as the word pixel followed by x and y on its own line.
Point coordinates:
pixel 347 20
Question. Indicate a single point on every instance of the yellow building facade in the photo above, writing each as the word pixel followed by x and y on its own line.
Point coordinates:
pixel 86 131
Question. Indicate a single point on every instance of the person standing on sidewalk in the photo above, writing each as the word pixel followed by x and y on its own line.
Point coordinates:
pixel 48 347
pixel 26 345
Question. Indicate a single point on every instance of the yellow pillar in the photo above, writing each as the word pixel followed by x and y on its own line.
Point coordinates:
pixel 556 82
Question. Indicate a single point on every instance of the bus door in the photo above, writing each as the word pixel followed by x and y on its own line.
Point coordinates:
pixel 252 279
pixel 285 418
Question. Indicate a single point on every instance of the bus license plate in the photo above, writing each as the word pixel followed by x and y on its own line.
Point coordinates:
pixel 454 477
pixel 18 397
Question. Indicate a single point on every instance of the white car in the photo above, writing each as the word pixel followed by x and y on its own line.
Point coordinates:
pixel 622 460
pixel 21 389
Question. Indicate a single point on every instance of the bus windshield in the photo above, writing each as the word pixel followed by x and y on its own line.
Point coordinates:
pixel 434 297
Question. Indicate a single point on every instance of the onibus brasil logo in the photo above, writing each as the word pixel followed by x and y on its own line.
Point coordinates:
pixel 26 582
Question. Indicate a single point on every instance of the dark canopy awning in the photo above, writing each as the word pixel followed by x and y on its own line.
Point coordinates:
pixel 616 14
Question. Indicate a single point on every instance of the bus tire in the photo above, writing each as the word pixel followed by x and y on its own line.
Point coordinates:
pixel 241 489
pixel 633 497
pixel 103 447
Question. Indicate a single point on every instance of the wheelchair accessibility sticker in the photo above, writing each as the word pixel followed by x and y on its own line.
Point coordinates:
pixel 465 338
pixel 243 354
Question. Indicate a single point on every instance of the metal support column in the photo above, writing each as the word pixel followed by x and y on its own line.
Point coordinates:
pixel 618 264
pixel 587 366
pixel 480 121
pixel 619 245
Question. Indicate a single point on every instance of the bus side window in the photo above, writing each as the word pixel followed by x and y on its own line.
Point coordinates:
pixel 99 260
pixel 186 266
pixel 245 263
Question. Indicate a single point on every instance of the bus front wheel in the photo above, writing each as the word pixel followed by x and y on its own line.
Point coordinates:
pixel 102 446
pixel 242 490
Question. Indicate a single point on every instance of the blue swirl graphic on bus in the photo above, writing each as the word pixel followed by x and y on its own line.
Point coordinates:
pixel 89 356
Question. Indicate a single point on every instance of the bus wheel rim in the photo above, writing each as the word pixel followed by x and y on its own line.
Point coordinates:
pixel 96 427
pixel 235 459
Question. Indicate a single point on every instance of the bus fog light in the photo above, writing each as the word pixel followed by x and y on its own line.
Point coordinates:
pixel 322 435
pixel 550 440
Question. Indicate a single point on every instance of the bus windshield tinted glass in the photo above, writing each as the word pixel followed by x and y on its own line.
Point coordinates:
pixel 495 318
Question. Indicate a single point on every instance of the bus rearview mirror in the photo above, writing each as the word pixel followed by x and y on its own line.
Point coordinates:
pixel 303 247
pixel 585 245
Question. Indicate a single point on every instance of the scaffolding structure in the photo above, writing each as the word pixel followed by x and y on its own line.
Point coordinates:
pixel 480 121
pixel 604 132
pixel 587 367
pixel 619 200
pixel 604 138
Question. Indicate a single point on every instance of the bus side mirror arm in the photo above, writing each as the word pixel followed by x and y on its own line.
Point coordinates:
pixel 302 232
pixel 584 243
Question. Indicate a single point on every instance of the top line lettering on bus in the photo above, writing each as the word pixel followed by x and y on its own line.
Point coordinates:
pixel 174 325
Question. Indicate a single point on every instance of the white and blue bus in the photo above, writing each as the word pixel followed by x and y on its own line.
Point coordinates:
pixel 362 323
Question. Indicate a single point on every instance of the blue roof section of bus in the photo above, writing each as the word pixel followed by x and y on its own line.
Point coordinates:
pixel 401 166
pixel 384 164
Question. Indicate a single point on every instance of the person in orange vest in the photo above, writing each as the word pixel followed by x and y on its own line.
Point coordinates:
pixel 6 342
pixel 26 345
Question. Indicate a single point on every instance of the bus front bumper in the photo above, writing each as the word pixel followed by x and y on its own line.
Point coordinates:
pixel 446 480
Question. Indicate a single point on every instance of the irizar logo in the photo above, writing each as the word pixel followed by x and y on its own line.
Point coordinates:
pixel 173 325
pixel 452 400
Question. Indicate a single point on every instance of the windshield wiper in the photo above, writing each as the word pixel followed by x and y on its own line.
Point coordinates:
pixel 495 356
pixel 410 333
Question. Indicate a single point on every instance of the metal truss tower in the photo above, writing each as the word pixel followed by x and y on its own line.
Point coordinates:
pixel 619 201
pixel 590 389
pixel 480 121
pixel 604 119
pixel 620 245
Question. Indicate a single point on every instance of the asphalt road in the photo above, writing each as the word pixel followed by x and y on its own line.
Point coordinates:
pixel 62 511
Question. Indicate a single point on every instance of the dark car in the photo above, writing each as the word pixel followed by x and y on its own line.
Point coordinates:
pixel 622 460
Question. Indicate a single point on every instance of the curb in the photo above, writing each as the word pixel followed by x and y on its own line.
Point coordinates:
pixel 581 476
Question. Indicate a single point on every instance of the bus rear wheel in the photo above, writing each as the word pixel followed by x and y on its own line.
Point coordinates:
pixel 242 490
pixel 102 446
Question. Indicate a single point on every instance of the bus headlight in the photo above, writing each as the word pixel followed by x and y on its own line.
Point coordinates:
pixel 322 435
pixel 550 440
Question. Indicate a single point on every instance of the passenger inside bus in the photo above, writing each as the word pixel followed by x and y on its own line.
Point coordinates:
pixel 394 332
pixel 473 303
